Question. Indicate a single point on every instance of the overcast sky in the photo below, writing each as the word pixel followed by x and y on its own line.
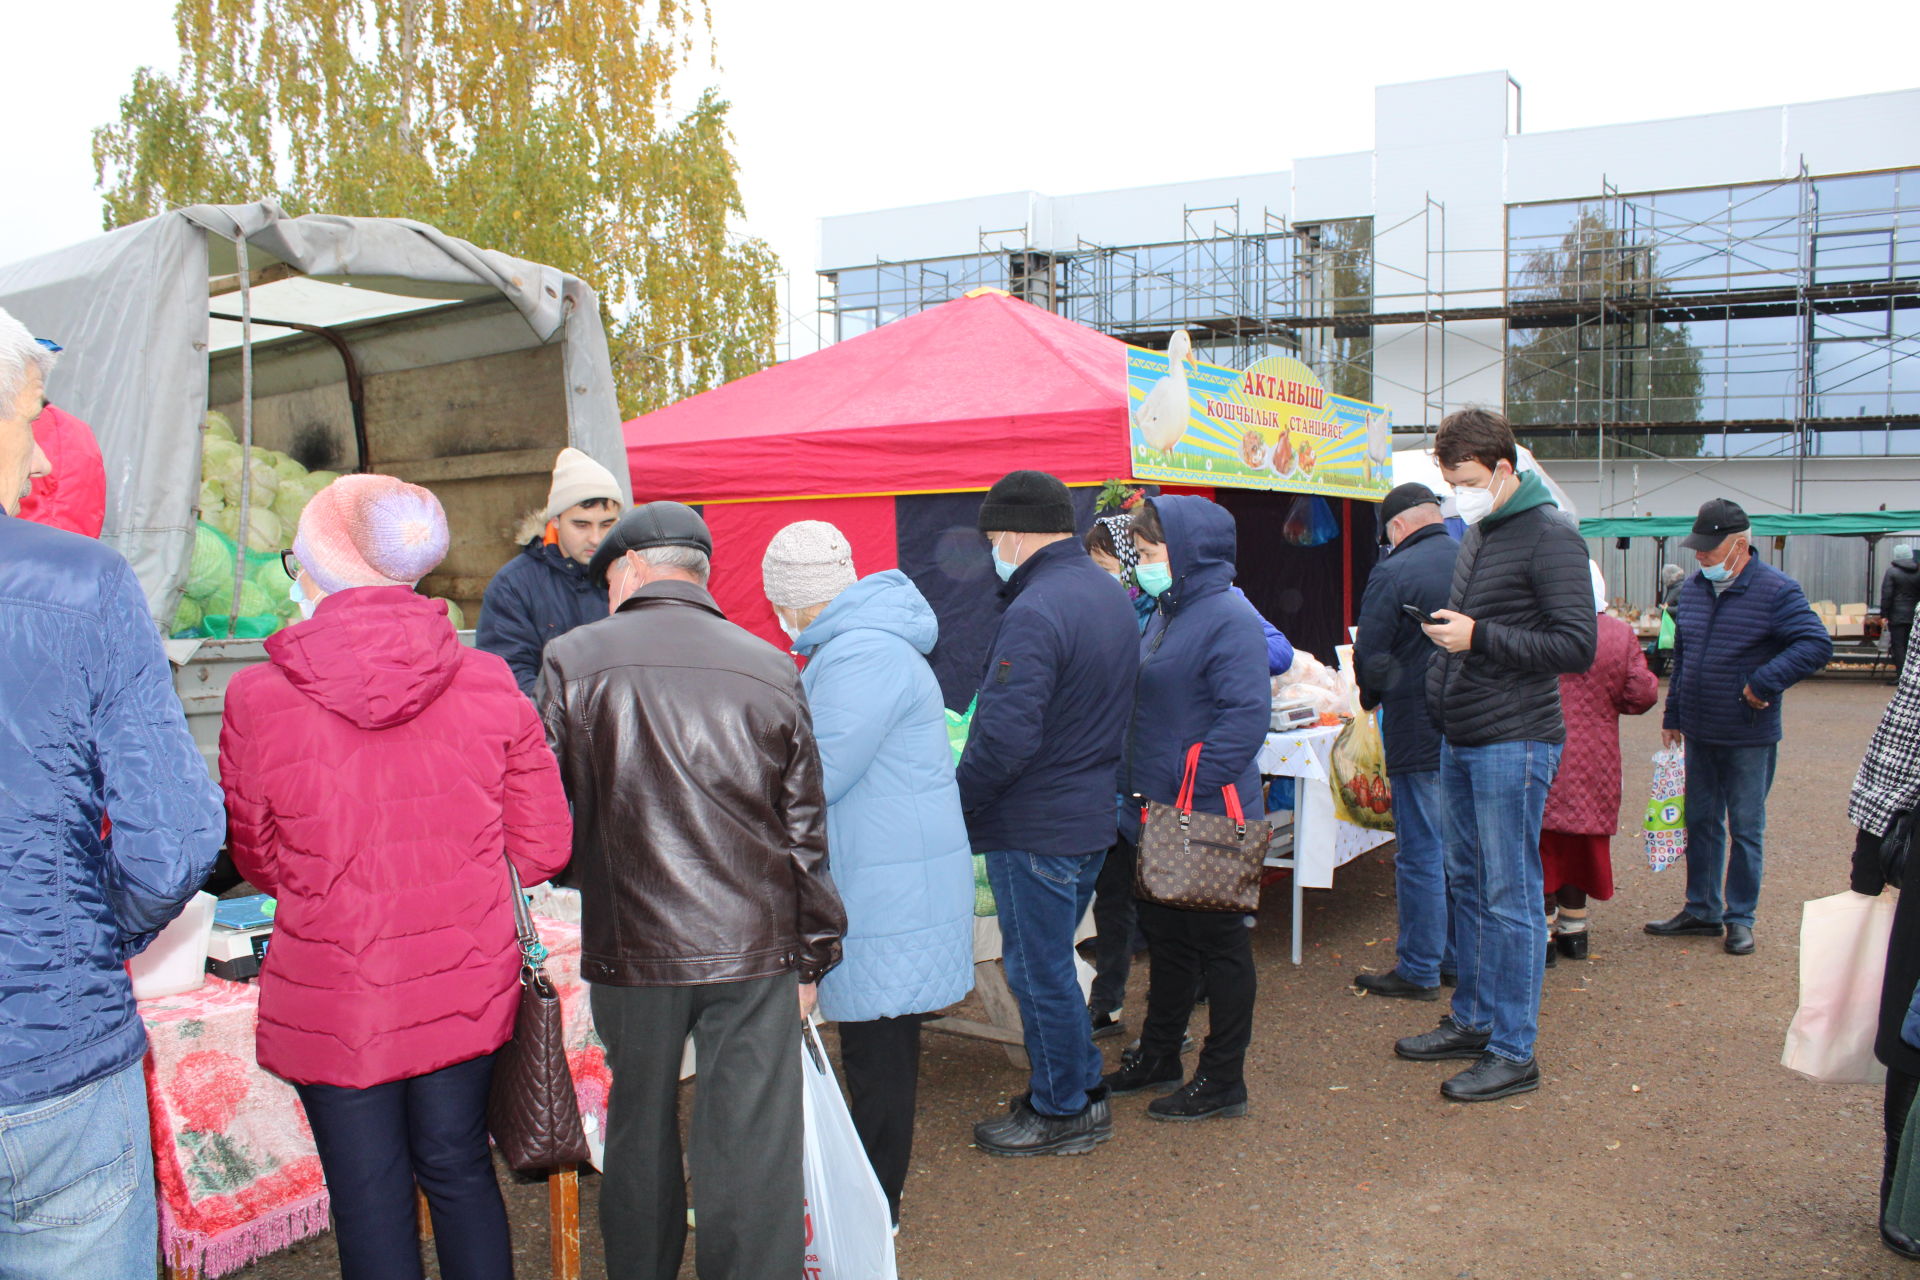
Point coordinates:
pixel 845 105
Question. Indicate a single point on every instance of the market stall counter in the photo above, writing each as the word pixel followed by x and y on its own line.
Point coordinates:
pixel 1311 841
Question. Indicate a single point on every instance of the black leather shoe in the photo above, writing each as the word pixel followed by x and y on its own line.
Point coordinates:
pixel 1138 1071
pixel 1446 1041
pixel 1739 939
pixel 1572 945
pixel 1449 979
pixel 1105 1024
pixel 1553 957
pixel 1203 1099
pixel 1395 987
pixel 1025 1132
pixel 1492 1077
pixel 1899 1241
pixel 1684 925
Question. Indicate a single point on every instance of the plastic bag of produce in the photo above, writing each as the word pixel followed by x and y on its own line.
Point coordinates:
pixel 1666 823
pixel 186 619
pixel 1361 793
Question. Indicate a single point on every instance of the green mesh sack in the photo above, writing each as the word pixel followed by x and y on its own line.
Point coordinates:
pixel 212 564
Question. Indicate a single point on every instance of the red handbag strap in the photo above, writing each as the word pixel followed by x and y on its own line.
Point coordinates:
pixel 1234 810
pixel 1184 802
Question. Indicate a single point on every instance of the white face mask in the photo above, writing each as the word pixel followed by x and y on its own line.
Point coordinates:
pixel 1475 505
pixel 793 632
pixel 299 597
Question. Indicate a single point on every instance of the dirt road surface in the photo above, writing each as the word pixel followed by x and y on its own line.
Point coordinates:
pixel 1667 1142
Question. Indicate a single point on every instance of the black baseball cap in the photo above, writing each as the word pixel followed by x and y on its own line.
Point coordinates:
pixel 657 524
pixel 1402 498
pixel 1719 519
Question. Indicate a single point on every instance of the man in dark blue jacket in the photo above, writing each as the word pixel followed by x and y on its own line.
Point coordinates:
pixel 543 593
pixel 1391 655
pixel 93 729
pixel 1744 634
pixel 1037 784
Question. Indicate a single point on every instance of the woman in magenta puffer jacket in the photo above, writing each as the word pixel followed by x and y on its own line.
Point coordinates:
pixel 379 776
pixel 1583 808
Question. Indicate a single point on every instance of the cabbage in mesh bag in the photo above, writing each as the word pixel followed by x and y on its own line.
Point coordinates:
pixel 212 564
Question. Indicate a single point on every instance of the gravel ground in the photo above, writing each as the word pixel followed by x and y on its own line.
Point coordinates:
pixel 1666 1142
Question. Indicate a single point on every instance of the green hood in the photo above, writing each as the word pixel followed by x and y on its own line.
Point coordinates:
pixel 1529 495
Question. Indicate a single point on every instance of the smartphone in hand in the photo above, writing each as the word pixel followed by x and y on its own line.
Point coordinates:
pixel 1420 615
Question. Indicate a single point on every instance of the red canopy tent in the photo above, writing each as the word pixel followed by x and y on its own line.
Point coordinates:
pixel 892 436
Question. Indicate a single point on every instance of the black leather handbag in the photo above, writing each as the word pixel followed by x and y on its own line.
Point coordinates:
pixel 532 1111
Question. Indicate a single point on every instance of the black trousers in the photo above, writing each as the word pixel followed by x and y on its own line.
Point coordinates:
pixel 745 1159
pixel 881 1061
pixel 1114 922
pixel 376 1144
pixel 1902 635
pixel 1901 1088
pixel 1190 948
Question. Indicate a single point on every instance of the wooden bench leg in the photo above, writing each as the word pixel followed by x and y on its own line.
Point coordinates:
pixel 171 1272
pixel 423 1213
pixel 563 1220
pixel 1003 1011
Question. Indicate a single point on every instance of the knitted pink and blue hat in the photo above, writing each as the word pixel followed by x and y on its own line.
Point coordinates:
pixel 370 531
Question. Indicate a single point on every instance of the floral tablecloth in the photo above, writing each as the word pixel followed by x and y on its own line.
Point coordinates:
pixel 237 1171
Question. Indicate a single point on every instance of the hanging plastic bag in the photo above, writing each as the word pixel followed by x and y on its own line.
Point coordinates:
pixel 1667 630
pixel 849 1229
pixel 1843 957
pixel 1666 823
pixel 959 725
pixel 1310 522
pixel 1361 793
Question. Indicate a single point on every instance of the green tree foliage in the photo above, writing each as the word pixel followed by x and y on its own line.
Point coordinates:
pixel 1627 368
pixel 541 128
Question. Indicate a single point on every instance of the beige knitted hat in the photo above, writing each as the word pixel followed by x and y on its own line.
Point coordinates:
pixel 577 479
pixel 807 563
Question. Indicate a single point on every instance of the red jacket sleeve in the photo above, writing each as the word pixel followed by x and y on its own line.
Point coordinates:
pixel 534 813
pixel 1638 690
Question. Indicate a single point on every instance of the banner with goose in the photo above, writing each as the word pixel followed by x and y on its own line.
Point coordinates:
pixel 1270 426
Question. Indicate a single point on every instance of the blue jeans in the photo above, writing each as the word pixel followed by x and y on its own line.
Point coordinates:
pixel 1726 793
pixel 1425 945
pixel 377 1143
pixel 1495 796
pixel 1041 899
pixel 76 1184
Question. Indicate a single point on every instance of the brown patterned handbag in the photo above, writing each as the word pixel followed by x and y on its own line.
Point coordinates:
pixel 1200 861
pixel 531 1110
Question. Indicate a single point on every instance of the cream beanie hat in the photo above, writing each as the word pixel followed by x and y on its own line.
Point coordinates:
pixel 807 563
pixel 577 479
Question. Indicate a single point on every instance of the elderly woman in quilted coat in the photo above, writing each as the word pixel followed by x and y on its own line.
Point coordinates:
pixel 379 777
pixel 895 829
pixel 1583 808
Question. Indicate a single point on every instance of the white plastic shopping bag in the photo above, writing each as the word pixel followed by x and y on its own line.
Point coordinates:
pixel 1666 823
pixel 849 1229
pixel 1843 957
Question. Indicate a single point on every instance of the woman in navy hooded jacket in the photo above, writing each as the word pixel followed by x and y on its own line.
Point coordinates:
pixel 1203 678
pixel 895 831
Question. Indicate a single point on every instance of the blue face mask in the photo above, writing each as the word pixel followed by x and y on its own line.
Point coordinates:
pixel 1005 568
pixel 1716 572
pixel 1154 578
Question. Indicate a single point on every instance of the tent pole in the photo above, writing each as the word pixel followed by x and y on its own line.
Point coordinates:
pixel 246 427
pixel 1346 578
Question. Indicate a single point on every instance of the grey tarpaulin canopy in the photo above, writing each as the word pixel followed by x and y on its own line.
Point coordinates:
pixel 132 310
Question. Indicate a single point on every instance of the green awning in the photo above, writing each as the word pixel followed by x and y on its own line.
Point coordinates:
pixel 1846 523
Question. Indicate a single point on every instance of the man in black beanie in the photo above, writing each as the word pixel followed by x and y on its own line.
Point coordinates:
pixel 1037 782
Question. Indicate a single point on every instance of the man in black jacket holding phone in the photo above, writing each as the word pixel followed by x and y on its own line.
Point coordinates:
pixel 1391 655
pixel 1520 614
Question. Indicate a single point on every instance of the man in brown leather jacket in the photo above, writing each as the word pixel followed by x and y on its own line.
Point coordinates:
pixel 700 848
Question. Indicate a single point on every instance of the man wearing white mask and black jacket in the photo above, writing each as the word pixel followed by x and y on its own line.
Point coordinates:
pixel 1519 616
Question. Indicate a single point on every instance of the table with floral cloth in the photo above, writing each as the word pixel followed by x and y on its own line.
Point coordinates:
pixel 235 1162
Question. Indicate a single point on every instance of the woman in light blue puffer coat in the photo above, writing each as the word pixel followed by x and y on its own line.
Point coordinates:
pixel 895 834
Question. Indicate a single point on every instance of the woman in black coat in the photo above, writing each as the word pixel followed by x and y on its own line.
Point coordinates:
pixel 1889 784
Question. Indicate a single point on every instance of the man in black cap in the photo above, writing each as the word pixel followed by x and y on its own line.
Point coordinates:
pixel 1743 635
pixel 700 847
pixel 1391 655
pixel 1037 782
